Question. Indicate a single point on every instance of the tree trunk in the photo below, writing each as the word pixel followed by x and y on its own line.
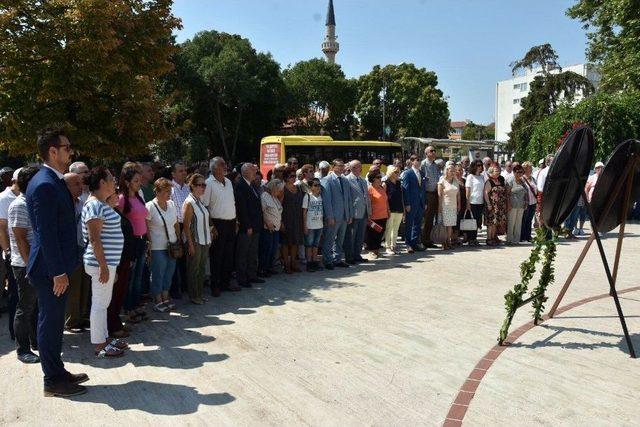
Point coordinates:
pixel 221 130
pixel 237 133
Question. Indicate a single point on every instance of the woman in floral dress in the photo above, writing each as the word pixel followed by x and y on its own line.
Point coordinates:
pixel 496 198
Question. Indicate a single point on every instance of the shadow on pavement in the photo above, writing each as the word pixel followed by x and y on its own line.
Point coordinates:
pixel 153 398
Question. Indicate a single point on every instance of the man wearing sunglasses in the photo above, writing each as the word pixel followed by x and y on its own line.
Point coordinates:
pixel 53 257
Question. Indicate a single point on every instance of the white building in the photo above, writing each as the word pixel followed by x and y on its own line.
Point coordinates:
pixel 509 94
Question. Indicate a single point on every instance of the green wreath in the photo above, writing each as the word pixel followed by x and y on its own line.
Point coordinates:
pixel 542 248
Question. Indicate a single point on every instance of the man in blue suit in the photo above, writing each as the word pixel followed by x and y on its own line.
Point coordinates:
pixel 361 204
pixel 413 193
pixel 53 257
pixel 337 209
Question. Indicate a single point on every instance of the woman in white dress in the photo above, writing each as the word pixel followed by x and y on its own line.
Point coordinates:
pixel 449 201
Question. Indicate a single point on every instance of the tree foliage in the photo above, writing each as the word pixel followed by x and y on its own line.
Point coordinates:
pixel 477 132
pixel 413 104
pixel 614 40
pixel 225 91
pixel 543 56
pixel 89 65
pixel 614 118
pixel 547 91
pixel 322 98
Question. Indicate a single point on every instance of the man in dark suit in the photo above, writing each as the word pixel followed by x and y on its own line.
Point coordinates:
pixel 413 194
pixel 249 213
pixel 53 257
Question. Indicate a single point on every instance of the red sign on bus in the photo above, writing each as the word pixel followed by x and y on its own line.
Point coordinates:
pixel 269 155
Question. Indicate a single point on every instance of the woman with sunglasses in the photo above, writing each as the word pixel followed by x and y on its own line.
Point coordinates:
pixel 379 213
pixel 198 237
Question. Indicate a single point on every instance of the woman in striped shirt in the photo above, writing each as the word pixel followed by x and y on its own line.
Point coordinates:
pixel 104 241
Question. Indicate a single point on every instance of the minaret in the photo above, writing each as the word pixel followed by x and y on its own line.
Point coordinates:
pixel 330 46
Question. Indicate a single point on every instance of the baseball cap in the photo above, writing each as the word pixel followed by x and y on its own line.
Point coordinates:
pixel 599 165
pixel 15 174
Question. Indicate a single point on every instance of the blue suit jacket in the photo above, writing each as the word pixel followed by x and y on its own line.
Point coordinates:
pixel 336 199
pixel 412 191
pixel 54 250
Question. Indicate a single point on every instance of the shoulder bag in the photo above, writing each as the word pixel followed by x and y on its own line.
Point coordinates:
pixel 175 248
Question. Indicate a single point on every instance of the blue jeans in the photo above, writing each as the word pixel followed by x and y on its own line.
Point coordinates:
pixel 162 268
pixel 135 280
pixel 354 239
pixel 572 219
pixel 332 249
pixel 527 219
pixel 312 238
pixel 268 246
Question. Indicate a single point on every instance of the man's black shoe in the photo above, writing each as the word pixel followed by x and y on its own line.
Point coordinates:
pixel 77 378
pixel 263 274
pixel 342 264
pixel 329 266
pixel 360 260
pixel 246 285
pixel 431 246
pixel 28 358
pixel 351 262
pixel 257 280
pixel 64 389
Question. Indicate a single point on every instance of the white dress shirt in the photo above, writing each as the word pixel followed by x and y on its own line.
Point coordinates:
pixel 218 197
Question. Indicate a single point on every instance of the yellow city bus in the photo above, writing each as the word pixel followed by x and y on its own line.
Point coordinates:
pixel 312 149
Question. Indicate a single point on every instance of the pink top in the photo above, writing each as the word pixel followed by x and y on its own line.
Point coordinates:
pixel 137 215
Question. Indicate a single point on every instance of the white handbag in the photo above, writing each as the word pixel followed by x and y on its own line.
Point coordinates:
pixel 468 224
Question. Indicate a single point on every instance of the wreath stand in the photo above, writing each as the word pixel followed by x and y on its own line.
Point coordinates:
pixel 625 180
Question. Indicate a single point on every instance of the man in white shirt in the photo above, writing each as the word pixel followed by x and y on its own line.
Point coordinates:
pixel 219 199
pixel 507 172
pixel 6 198
pixel 179 194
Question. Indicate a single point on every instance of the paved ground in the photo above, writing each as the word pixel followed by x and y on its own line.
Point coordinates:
pixel 387 343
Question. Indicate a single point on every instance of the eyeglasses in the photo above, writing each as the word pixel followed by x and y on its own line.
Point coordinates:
pixel 200 185
pixel 66 147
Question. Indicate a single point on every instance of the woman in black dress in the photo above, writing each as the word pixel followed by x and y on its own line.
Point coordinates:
pixel 291 229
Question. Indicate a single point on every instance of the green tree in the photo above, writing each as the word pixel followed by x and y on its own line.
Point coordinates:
pixel 322 98
pixel 91 66
pixel 413 104
pixel 225 91
pixel 547 91
pixel 477 132
pixel 614 40
pixel 614 118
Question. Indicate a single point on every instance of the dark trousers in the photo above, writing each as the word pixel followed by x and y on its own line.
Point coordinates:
pixel 476 211
pixel 24 323
pixel 50 329
pixel 222 253
pixel 527 220
pixel 134 292
pixel 374 238
pixel 268 247
pixel 179 281
pixel 78 298
pixel 429 216
pixel 118 295
pixel 247 256
pixel 7 272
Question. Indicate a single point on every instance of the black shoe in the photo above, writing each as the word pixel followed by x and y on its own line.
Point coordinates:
pixel 351 262
pixel 311 268
pixel 329 266
pixel 64 389
pixel 342 264
pixel 215 292
pixel 77 378
pixel 430 246
pixel 28 358
pixel 263 274
pixel 360 260
pixel 318 266
pixel 246 285
pixel 257 280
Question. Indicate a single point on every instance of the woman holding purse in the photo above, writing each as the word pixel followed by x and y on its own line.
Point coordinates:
pixel 162 223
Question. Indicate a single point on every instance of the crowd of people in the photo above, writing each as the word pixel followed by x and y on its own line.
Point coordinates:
pixel 86 248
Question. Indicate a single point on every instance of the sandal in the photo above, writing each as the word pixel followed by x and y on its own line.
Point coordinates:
pixel 109 351
pixel 169 305
pixel 161 307
pixel 119 344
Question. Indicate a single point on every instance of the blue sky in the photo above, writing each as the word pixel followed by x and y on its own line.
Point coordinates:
pixel 468 43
